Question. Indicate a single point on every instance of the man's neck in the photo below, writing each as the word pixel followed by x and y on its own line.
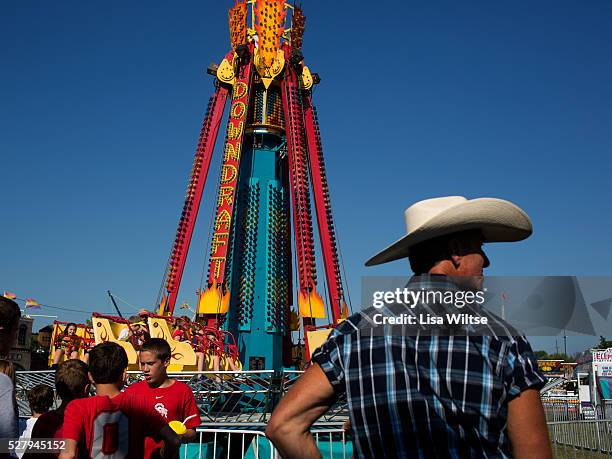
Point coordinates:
pixel 108 390
pixel 167 382
pixel 60 409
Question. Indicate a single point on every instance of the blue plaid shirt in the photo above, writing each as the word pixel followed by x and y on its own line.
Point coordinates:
pixel 426 395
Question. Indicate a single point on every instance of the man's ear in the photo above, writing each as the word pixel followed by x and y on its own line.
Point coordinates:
pixel 123 380
pixel 167 362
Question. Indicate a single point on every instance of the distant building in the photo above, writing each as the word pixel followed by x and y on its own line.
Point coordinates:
pixel 20 354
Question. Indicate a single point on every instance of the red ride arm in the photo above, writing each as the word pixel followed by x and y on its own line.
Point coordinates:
pixel 298 176
pixel 201 164
pixel 323 209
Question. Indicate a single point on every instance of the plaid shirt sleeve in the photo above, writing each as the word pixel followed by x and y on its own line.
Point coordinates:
pixel 330 357
pixel 522 371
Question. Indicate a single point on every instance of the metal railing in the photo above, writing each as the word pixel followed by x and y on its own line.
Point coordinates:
pixel 246 443
pixel 589 439
pixel 337 413
pixel 557 411
pixel 26 380
pixel 233 398
pixel 224 398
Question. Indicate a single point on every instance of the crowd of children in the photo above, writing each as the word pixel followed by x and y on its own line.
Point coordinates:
pixel 149 419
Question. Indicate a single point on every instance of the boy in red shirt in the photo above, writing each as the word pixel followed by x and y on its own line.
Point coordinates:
pixel 71 382
pixel 113 424
pixel 172 399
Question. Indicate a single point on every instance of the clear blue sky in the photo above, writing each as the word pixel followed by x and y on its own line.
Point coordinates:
pixel 101 106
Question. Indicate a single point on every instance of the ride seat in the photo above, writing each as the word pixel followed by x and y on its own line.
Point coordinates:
pixel 105 330
pixel 83 332
pixel 182 354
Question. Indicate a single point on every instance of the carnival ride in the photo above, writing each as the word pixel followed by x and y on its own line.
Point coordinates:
pixel 272 156
pixel 252 307
pixel 272 171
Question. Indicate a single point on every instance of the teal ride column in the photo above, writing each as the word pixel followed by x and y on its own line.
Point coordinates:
pixel 260 267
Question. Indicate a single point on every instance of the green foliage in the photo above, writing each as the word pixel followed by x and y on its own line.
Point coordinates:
pixel 541 354
pixel 603 343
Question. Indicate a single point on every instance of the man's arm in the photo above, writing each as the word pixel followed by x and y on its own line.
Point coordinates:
pixel 124 334
pixel 527 426
pixel 188 436
pixel 172 442
pixel 72 429
pixel 289 427
pixel 8 421
pixel 69 451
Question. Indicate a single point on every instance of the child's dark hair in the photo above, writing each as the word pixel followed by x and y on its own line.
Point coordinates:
pixel 40 398
pixel 157 346
pixel 71 324
pixel 9 315
pixel 71 379
pixel 107 361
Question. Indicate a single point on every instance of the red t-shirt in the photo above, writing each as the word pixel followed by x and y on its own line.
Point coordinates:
pixel 174 403
pixel 112 427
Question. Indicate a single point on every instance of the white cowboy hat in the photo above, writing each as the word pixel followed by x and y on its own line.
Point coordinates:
pixel 499 221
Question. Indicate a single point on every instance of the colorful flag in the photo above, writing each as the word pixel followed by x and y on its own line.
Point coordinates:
pixel 9 295
pixel 32 303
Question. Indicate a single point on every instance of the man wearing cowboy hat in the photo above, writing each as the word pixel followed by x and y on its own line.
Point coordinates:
pixel 426 392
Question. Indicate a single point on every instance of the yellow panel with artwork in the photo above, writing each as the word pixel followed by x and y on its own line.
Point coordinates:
pixel 107 330
pixel 183 357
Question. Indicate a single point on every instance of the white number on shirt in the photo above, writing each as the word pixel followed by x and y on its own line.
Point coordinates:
pixel 110 436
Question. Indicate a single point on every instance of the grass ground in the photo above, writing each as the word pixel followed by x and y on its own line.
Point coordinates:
pixel 563 452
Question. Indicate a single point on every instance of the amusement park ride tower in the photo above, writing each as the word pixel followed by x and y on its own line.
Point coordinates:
pixel 272 171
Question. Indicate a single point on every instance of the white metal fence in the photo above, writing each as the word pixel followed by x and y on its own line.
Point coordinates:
pixel 581 439
pixel 253 444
